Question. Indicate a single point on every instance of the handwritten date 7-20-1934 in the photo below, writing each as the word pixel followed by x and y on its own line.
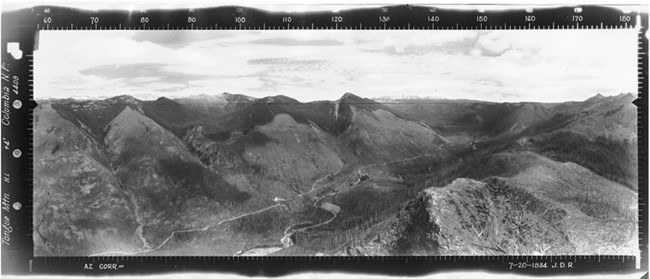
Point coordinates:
pixel 540 265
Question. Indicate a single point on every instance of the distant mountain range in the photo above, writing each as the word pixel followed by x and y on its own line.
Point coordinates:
pixel 231 174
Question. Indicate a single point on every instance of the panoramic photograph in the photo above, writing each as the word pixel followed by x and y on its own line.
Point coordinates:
pixel 335 143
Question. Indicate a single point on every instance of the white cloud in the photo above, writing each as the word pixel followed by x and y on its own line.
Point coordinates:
pixel 511 65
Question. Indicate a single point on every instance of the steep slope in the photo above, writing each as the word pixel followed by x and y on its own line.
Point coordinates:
pixel 335 117
pixel 79 208
pixel 380 135
pixel 263 111
pixel 172 115
pixel 615 160
pixel 227 174
pixel 460 119
pixel 281 158
pixel 331 116
pixel 281 140
pixel 612 117
pixel 92 116
pixel 539 207
pixel 236 102
pixel 600 134
pixel 137 191
pixel 215 105
pixel 521 118
pixel 469 217
pixel 178 114
pixel 175 115
pixel 308 147
pixel 210 105
pixel 171 187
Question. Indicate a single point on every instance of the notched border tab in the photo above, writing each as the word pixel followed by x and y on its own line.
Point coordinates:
pixel 17 108
pixel 642 124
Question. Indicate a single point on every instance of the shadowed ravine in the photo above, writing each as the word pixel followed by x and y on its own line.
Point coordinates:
pixel 138 219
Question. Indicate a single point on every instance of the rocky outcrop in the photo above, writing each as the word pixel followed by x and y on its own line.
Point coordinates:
pixel 469 217
pixel 217 156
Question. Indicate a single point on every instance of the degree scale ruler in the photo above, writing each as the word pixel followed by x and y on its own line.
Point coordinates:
pixel 22 27
pixel 402 17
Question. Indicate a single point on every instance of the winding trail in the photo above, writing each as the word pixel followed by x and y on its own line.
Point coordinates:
pixel 290 230
pixel 182 231
pixel 287 232
pixel 313 186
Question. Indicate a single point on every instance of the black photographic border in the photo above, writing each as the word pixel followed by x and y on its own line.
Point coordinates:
pixel 23 26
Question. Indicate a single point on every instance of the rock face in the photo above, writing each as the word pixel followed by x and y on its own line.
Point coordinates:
pixel 545 209
pixel 287 241
pixel 470 217
pixel 517 203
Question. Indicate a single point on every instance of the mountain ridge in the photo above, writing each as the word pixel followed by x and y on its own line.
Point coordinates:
pixel 204 176
pixel 227 95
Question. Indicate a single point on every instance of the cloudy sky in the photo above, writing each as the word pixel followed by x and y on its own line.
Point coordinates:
pixel 537 65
